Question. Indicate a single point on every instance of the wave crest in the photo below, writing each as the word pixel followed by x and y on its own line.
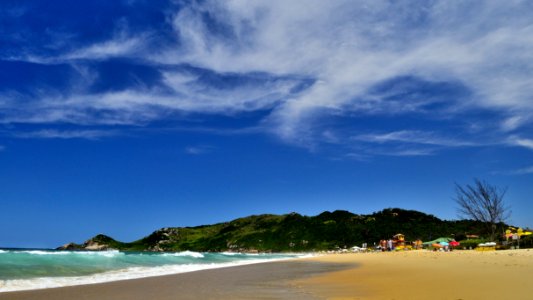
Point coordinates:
pixel 186 253
pixel 108 253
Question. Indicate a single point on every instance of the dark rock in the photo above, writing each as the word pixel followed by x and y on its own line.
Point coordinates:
pixel 70 246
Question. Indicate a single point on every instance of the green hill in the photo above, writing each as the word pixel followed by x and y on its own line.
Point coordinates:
pixel 293 232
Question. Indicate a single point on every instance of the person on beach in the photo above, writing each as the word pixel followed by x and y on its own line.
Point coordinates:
pixel 389 245
pixel 383 245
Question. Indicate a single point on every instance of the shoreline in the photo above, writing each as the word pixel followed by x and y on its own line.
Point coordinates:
pixel 127 274
pixel 141 272
pixel 271 280
pixel 389 275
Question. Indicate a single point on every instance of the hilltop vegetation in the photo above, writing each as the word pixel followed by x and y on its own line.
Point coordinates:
pixel 294 232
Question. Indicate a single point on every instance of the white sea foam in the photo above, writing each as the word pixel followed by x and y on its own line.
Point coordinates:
pixel 230 253
pixel 40 252
pixel 3 251
pixel 185 253
pixel 307 255
pixel 109 253
pixel 124 274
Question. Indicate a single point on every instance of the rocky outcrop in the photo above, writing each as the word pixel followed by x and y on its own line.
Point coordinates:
pixel 91 245
pixel 70 246
pixel 98 243
pixel 155 248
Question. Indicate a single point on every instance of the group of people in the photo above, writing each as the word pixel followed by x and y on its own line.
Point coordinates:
pixel 391 244
pixel 386 245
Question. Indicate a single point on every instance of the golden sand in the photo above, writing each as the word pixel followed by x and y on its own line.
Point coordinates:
pixel 427 275
pixel 467 275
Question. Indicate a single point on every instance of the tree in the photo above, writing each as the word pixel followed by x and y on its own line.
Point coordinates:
pixel 482 202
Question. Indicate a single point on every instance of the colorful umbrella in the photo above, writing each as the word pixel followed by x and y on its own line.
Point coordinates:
pixel 454 243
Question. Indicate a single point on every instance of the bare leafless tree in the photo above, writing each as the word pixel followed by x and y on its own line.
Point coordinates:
pixel 482 202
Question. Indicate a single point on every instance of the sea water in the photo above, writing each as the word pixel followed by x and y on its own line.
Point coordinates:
pixel 24 269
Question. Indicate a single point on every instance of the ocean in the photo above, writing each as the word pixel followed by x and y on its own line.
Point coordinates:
pixel 25 269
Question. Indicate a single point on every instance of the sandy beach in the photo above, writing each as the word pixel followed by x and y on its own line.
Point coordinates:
pixel 398 275
pixel 427 275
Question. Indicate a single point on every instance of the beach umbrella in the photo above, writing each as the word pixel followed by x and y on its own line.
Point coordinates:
pixel 444 243
pixel 454 243
pixel 435 241
pixel 436 245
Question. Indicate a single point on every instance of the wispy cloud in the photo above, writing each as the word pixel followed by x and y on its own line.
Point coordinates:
pixel 13 11
pixel 513 123
pixel 305 66
pixel 519 171
pixel 66 134
pixel 366 152
pixel 522 142
pixel 527 170
pixel 198 150
pixel 363 46
pixel 411 152
pixel 415 137
pixel 118 47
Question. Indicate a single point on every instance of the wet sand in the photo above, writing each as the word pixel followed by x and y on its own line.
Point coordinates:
pixel 258 281
pixel 466 275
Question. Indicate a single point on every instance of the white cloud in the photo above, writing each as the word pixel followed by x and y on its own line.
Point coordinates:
pixel 513 123
pixel 521 171
pixel 522 142
pixel 116 47
pixel 195 96
pixel 136 107
pixel 123 43
pixel 527 170
pixel 415 137
pixel 197 150
pixel 351 46
pixel 345 47
pixel 410 152
pixel 66 134
pixel 365 153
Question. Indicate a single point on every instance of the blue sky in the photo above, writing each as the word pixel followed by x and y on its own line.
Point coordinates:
pixel 122 117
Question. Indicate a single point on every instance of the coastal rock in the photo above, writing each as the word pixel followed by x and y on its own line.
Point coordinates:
pixel 156 248
pixel 95 246
pixel 69 246
pixel 100 242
